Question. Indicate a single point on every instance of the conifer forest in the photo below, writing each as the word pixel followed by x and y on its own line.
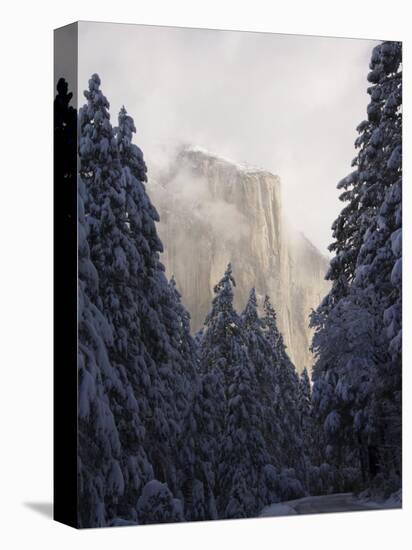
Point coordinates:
pixel 188 423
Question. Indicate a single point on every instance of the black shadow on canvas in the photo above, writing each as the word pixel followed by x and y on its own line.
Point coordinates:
pixel 65 274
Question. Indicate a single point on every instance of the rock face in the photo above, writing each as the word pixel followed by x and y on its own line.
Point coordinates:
pixel 212 212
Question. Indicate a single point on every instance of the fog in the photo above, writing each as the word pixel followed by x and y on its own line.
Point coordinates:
pixel 190 193
pixel 289 104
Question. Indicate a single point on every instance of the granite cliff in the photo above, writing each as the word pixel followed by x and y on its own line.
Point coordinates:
pixel 212 212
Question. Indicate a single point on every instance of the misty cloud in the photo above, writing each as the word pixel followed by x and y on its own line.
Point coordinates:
pixel 287 103
pixel 187 194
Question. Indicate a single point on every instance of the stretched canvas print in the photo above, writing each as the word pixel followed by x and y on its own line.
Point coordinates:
pixel 228 305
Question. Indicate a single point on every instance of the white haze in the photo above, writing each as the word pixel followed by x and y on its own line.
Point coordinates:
pixel 191 193
pixel 289 104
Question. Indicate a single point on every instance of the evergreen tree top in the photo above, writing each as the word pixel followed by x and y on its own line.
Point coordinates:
pixel 377 161
pixel 182 312
pixel 130 153
pixel 223 301
pixel 126 123
pixel 386 59
pixel 270 323
pixel 97 144
pixel 226 281
pixel 223 324
pixel 250 315
pixel 96 98
pixel 268 308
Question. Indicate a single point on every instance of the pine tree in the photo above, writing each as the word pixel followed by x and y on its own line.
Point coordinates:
pixel 285 396
pixel 157 505
pixel 357 386
pixel 149 350
pixel 304 403
pixel 266 368
pixel 304 398
pixel 219 349
pixel 194 451
pixel 364 187
pixel 379 264
pixel 244 451
pixel 101 481
pixel 116 259
pixel 165 332
pixel 199 453
pixel 223 330
pixel 312 439
pixel 131 155
pixel 345 351
pixel 259 350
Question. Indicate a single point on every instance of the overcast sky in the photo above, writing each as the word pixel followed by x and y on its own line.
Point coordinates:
pixel 286 103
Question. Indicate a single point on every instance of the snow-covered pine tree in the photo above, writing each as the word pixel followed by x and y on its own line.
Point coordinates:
pixel 136 300
pixel 101 482
pixel 99 449
pixel 345 350
pixel 196 477
pixel 366 283
pixel 244 456
pixel 304 404
pixel 170 323
pixel 157 505
pixel 177 318
pixel 379 263
pixel 266 367
pixel 223 330
pixel 115 258
pixel 364 186
pixel 312 437
pixel 199 452
pixel 219 349
pixel 258 347
pixel 375 261
pixel 251 471
pixel 285 396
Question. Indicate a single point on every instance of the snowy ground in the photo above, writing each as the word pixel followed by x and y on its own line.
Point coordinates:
pixel 341 502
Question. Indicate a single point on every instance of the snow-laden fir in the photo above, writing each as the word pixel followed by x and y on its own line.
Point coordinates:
pixel 358 374
pixel 175 427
